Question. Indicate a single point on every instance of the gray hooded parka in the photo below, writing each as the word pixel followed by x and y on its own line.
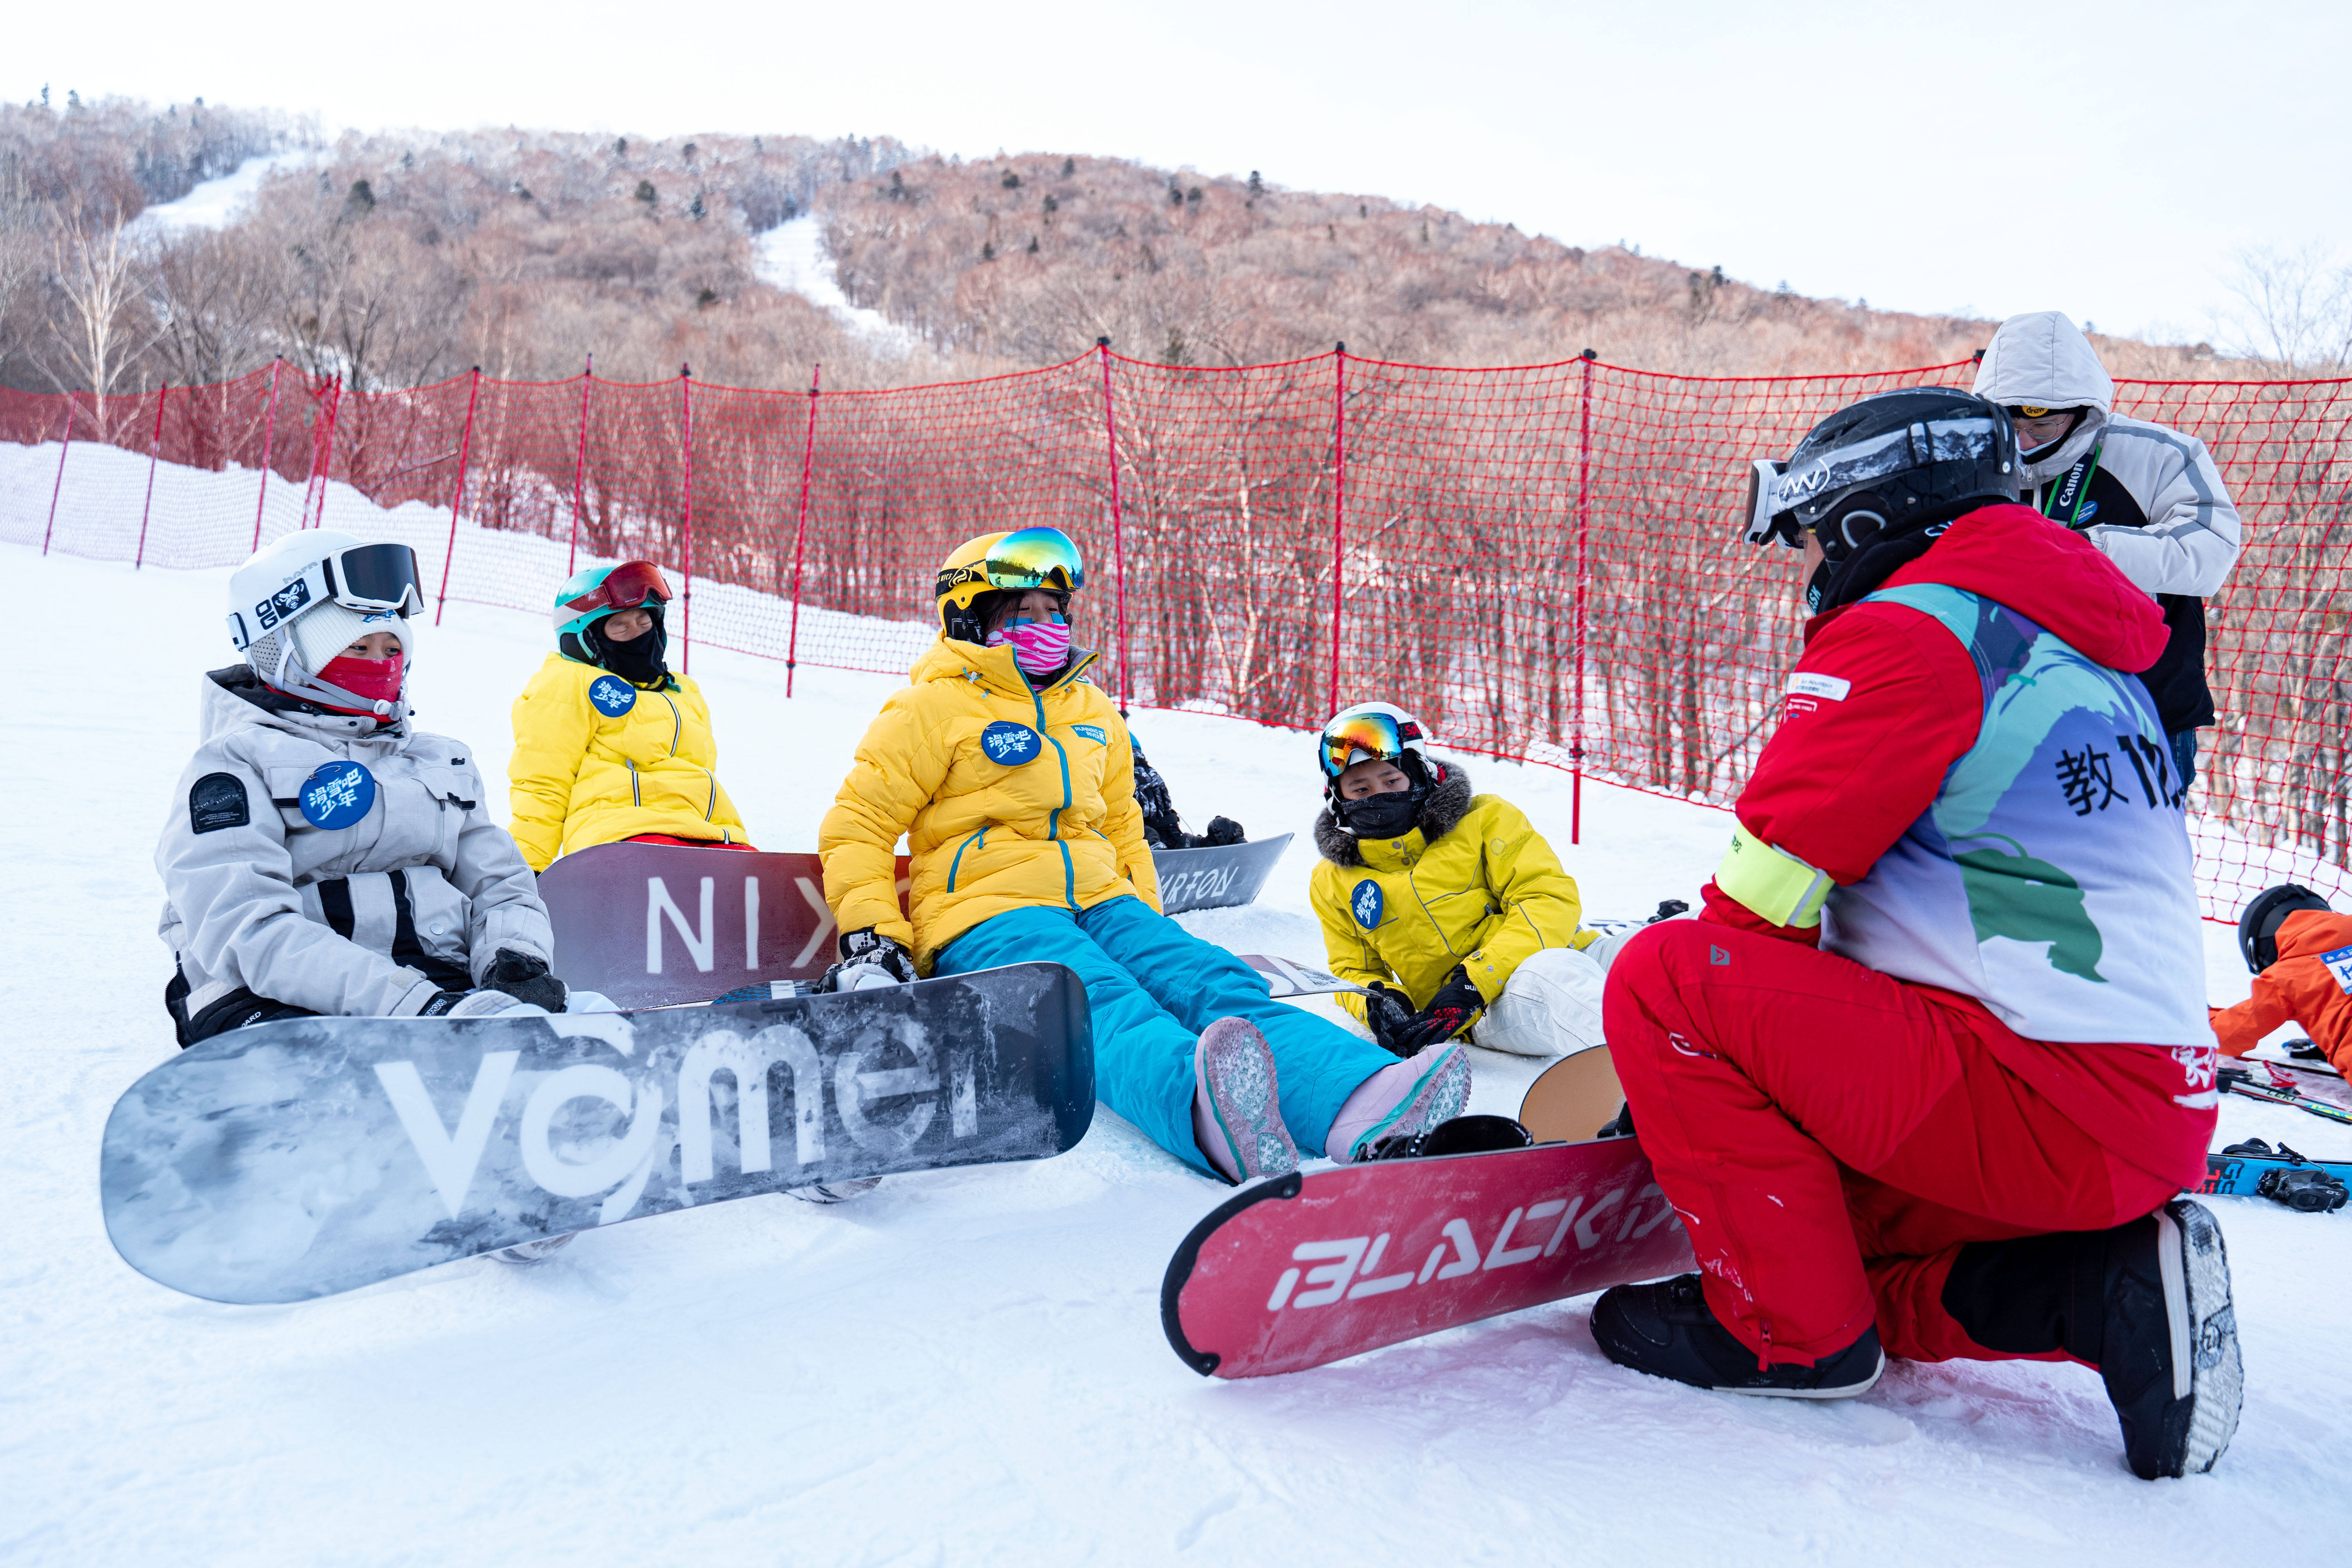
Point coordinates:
pixel 371 920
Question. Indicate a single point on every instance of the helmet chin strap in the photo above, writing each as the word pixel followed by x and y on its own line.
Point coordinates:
pixel 296 682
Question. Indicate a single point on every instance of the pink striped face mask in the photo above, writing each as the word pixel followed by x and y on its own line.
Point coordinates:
pixel 1039 647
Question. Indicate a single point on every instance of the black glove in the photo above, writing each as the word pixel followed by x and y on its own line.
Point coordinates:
pixel 1388 1014
pixel 884 959
pixel 1224 830
pixel 525 979
pixel 1448 1013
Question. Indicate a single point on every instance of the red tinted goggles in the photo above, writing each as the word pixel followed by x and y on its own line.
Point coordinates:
pixel 624 587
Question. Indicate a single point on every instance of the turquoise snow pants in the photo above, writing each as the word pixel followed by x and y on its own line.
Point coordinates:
pixel 1153 986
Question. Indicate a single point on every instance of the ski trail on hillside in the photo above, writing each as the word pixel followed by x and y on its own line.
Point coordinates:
pixel 793 256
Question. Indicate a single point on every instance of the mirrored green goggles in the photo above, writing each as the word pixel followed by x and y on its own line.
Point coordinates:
pixel 1036 558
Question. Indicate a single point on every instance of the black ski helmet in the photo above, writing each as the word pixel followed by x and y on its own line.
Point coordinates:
pixel 1889 464
pixel 2258 927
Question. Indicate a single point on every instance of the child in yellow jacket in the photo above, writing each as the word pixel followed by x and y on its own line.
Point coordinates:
pixel 609 744
pixel 1448 906
pixel 1012 780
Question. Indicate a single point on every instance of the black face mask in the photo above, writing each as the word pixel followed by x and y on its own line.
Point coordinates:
pixel 637 661
pixel 1390 816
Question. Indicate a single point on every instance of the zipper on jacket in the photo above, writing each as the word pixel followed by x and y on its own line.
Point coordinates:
pixel 677 723
pixel 957 863
pixel 1053 818
pixel 636 795
pixel 712 810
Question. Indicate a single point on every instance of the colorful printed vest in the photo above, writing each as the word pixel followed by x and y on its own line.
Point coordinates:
pixel 2051 879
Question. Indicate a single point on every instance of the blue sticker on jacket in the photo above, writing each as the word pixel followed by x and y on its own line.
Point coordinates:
pixel 1093 732
pixel 611 696
pixel 1366 901
pixel 338 794
pixel 1010 744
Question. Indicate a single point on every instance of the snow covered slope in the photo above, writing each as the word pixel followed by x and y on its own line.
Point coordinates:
pixel 967 1367
pixel 792 256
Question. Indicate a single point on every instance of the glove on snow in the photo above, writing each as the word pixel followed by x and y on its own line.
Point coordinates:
pixel 1448 1013
pixel 1389 1014
pixel 1223 830
pixel 525 979
pixel 868 959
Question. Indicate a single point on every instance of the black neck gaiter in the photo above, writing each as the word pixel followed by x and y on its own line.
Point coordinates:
pixel 637 661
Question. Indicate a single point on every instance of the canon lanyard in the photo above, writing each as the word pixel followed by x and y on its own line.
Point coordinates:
pixel 2071 491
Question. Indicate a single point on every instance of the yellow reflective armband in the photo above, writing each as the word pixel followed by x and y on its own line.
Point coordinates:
pixel 1772 882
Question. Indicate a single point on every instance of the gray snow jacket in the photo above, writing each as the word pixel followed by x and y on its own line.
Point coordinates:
pixel 2174 530
pixel 370 920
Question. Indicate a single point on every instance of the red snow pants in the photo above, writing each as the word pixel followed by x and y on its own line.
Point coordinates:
pixel 1832 1137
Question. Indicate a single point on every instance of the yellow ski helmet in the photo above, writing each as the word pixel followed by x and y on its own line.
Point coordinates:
pixel 1016 562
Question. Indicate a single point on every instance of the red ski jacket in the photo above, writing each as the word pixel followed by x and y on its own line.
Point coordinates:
pixel 1884 701
pixel 2300 988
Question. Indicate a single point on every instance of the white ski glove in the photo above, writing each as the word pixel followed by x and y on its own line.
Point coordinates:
pixel 869 960
pixel 483 1004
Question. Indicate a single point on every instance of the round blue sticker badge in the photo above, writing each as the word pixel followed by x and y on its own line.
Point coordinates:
pixel 611 696
pixel 1366 901
pixel 338 796
pixel 1010 744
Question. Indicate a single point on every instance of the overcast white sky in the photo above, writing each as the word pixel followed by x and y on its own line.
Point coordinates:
pixel 2109 161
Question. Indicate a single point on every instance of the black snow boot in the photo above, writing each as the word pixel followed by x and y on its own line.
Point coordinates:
pixel 1667 1330
pixel 2147 1303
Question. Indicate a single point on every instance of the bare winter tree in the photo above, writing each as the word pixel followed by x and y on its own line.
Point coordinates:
pixel 217 299
pixel 2297 308
pixel 101 277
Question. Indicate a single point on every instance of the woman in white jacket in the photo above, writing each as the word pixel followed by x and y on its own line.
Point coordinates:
pixel 321 856
pixel 2148 496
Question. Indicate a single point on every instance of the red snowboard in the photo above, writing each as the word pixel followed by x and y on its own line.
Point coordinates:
pixel 1306 1269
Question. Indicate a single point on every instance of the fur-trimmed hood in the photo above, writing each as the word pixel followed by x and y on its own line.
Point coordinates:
pixel 1448 803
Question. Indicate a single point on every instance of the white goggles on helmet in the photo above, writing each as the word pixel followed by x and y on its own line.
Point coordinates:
pixel 373 579
pixel 1778 493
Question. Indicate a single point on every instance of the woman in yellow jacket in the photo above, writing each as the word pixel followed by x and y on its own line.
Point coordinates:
pixel 1010 776
pixel 1448 906
pixel 609 744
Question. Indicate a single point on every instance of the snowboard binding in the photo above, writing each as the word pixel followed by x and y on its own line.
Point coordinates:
pixel 1459 1135
pixel 2301 1186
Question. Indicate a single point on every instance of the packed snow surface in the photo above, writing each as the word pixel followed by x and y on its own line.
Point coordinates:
pixel 793 256
pixel 966 1366
pixel 218 202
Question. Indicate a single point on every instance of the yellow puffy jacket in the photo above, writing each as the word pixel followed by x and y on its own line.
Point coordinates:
pixel 1009 798
pixel 597 760
pixel 1475 884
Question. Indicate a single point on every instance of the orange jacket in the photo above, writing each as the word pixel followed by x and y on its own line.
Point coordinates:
pixel 2300 988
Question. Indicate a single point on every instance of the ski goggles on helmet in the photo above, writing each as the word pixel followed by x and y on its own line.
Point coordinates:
pixel 1784 498
pixel 2034 411
pixel 624 587
pixel 1026 558
pixel 373 579
pixel 1355 738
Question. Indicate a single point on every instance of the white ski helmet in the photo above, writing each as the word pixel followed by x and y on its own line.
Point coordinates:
pixel 302 599
pixel 1372 732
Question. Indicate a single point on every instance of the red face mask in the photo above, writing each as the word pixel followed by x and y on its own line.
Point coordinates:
pixel 377 679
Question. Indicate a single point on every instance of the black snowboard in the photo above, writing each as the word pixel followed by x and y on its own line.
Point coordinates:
pixel 299 1159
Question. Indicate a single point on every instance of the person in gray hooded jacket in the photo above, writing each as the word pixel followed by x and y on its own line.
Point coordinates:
pixel 321 856
pixel 2148 496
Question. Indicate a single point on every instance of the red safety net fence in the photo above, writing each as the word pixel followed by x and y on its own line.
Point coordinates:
pixel 1544 562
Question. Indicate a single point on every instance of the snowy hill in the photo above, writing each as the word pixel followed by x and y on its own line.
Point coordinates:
pixel 967 1367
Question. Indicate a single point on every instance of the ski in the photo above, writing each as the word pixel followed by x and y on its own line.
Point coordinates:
pixel 2240 1175
pixel 1309 1269
pixel 299 1159
pixel 2316 1081
pixel 2237 1081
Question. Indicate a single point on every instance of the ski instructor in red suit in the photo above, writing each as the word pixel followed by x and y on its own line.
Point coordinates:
pixel 1927 1075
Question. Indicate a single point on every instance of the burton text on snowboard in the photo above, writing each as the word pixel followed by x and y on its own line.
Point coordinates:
pixel 1215 876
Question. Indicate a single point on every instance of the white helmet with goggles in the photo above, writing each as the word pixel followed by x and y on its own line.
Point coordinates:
pixel 300 600
pixel 1372 732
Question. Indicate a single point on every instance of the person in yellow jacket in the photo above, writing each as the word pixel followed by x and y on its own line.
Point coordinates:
pixel 1448 906
pixel 1010 776
pixel 609 744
